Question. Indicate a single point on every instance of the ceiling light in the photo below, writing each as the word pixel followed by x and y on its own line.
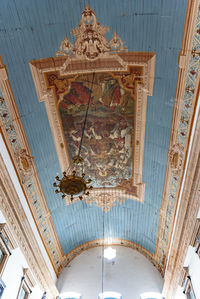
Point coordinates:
pixel 109 253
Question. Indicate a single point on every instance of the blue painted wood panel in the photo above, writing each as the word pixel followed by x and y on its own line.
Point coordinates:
pixel 34 29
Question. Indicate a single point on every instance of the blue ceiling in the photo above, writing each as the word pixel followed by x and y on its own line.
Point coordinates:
pixel 33 30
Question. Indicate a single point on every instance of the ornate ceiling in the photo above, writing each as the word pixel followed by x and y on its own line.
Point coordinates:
pixel 134 143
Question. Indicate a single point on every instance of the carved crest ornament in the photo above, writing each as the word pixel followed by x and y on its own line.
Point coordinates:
pixel 176 158
pixel 123 80
pixel 24 163
pixel 90 40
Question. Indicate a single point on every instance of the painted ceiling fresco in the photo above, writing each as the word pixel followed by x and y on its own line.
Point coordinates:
pixel 107 142
pixel 34 29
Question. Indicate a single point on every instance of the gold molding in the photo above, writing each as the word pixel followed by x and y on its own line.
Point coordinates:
pixel 178 144
pixel 186 226
pixel 22 150
pixel 119 62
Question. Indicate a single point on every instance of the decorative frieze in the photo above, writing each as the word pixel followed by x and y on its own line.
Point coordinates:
pixel 187 224
pixel 14 134
pixel 183 116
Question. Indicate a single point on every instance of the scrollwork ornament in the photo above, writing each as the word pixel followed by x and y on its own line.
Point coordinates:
pixel 90 41
pixel 24 164
pixel 104 200
pixel 176 154
pixel 65 47
pixel 116 42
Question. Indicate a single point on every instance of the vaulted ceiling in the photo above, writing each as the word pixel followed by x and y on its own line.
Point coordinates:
pixel 33 30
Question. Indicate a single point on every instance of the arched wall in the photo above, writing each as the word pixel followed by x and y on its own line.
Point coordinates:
pixel 129 274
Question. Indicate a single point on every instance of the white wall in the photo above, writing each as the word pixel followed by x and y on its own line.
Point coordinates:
pixel 192 261
pixel 130 274
pixel 13 273
pixel 179 293
pixel 12 276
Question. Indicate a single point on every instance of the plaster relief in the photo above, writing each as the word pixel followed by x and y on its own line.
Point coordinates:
pixel 176 154
pixel 24 163
pixel 90 41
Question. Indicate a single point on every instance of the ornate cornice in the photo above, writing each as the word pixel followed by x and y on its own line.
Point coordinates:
pixel 19 226
pixel 187 224
pixel 16 141
pixel 184 108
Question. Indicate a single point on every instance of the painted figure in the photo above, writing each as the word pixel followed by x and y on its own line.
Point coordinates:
pixel 107 143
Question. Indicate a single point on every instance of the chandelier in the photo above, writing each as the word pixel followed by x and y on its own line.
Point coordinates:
pixel 73 183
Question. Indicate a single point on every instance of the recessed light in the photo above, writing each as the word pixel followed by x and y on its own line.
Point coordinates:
pixel 109 253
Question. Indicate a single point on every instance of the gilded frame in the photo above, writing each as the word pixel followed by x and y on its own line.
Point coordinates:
pixel 120 62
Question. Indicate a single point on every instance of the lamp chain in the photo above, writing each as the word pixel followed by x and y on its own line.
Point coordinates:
pixel 86 114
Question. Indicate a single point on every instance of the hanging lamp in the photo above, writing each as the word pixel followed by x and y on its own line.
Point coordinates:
pixel 73 183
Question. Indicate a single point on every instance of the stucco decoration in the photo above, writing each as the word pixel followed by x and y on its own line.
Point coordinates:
pixel 188 225
pixel 104 199
pixel 13 131
pixel 176 158
pixel 24 162
pixel 90 41
pixel 183 116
